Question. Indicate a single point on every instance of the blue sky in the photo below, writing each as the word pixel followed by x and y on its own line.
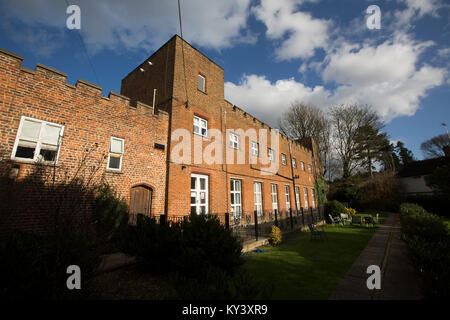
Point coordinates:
pixel 274 52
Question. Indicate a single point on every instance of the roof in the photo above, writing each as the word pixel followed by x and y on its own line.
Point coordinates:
pixel 423 167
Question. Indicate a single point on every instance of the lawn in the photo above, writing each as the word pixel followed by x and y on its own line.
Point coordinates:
pixel 301 268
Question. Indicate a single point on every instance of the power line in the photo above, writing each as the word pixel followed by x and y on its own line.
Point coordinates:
pixel 86 52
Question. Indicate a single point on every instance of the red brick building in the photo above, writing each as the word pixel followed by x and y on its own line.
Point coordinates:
pixel 190 87
pixel 44 117
pixel 194 152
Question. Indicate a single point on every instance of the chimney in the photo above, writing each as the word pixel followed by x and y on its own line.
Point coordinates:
pixel 446 150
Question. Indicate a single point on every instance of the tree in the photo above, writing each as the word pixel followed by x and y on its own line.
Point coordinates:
pixel 347 122
pixel 432 148
pixel 405 155
pixel 305 120
pixel 370 145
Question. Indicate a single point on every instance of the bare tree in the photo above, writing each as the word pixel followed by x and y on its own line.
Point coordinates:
pixel 433 148
pixel 305 120
pixel 347 121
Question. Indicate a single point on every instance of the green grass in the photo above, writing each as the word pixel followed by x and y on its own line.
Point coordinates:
pixel 301 268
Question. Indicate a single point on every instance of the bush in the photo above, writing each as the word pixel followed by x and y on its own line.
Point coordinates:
pixel 350 211
pixel 158 246
pixel 207 244
pixel 33 266
pixel 190 248
pixel 428 241
pixel 110 216
pixel 215 284
pixel 335 208
pixel 275 236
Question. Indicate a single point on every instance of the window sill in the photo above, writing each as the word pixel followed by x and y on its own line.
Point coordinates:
pixel 114 171
pixel 204 137
pixel 204 92
pixel 33 162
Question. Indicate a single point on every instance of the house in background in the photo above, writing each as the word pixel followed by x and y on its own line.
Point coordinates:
pixel 412 176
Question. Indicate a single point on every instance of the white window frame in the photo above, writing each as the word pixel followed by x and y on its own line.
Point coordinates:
pixel 294 163
pixel 237 194
pixel 270 154
pixel 302 165
pixel 38 141
pixel 255 148
pixel 120 155
pixel 200 126
pixel 306 196
pixel 313 198
pixel 197 191
pixel 258 200
pixel 234 141
pixel 204 82
pixel 309 168
pixel 283 159
pixel 274 196
pixel 297 197
pixel 288 197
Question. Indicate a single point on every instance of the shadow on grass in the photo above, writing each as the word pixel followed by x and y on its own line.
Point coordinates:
pixel 302 268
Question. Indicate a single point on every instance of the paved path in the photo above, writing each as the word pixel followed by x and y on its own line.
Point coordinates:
pixel 399 280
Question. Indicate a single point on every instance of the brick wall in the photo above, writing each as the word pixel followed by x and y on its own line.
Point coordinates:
pixel 89 121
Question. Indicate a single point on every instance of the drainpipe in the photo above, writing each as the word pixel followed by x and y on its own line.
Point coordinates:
pixel 293 178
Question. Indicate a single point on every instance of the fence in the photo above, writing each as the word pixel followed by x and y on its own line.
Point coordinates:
pixel 254 225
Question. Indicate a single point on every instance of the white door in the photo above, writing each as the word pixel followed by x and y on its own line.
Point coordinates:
pixel 258 197
pixel 297 197
pixel 305 194
pixel 236 198
pixel 199 194
pixel 274 197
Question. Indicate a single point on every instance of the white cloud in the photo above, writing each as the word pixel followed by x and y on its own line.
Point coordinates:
pixel 267 100
pixel 299 32
pixel 141 24
pixel 386 76
pixel 415 9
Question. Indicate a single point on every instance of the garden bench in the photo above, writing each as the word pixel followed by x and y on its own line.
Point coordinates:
pixel 356 220
pixel 335 220
pixel 315 232
pixel 344 217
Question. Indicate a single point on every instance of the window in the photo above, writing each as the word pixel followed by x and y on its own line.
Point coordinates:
pixel 201 83
pixel 200 126
pixel 297 197
pixel 236 203
pixel 234 140
pixel 37 140
pixel 257 188
pixel 294 163
pixel 302 165
pixel 309 168
pixel 283 159
pixel 270 153
pixel 115 154
pixel 255 148
pixel 288 197
pixel 199 194
pixel 274 193
pixel 305 194
pixel 313 198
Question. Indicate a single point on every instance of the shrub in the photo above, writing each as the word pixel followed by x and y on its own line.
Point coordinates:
pixel 275 236
pixel 335 208
pixel 428 241
pixel 34 265
pixel 215 284
pixel 350 211
pixel 190 248
pixel 110 216
pixel 207 244
pixel 158 246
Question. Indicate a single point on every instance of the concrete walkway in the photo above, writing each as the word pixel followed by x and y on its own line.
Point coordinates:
pixel 399 280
